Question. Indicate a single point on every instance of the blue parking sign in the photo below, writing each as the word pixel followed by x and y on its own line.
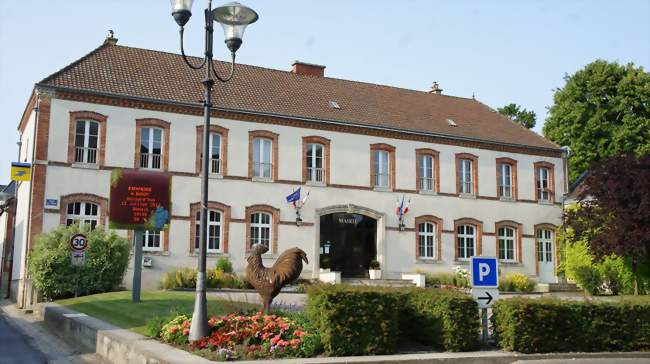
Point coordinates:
pixel 484 272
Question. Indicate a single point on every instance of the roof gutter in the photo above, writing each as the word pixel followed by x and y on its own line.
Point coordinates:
pixel 301 118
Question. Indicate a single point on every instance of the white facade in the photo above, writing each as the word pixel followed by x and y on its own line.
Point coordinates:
pixel 350 168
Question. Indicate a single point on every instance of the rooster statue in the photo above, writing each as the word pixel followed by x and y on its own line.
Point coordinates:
pixel 268 281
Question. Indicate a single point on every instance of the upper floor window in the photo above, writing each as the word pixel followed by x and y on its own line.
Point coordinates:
pixel 260 229
pixel 381 168
pixel 262 154
pixel 151 147
pixel 82 213
pixel 507 244
pixel 427 240
pixel 466 241
pixel 152 240
pixel 86 141
pixel 426 173
pixel 466 178
pixel 505 180
pixel 543 184
pixel 315 165
pixel 214 164
pixel 214 231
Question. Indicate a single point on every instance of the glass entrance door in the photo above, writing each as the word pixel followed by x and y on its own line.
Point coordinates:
pixel 347 243
pixel 545 256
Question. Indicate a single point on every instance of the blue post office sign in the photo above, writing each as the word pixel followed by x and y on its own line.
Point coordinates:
pixel 484 272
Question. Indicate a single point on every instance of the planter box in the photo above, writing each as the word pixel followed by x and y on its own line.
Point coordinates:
pixel 330 277
pixel 374 273
pixel 418 279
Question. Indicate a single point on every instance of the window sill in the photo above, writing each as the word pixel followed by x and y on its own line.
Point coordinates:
pixel 85 165
pixel 507 199
pixel 427 261
pixel 152 252
pixel 510 263
pixel 262 179
pixel 208 254
pixel 315 184
pixel 545 202
pixel 461 262
pixel 467 196
pixel 428 192
pixel 382 189
pixel 214 176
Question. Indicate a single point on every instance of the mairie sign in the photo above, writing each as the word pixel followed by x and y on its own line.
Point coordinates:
pixel 484 272
pixel 21 171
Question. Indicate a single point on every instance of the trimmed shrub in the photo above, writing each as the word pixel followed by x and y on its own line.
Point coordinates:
pixel 516 282
pixel 444 319
pixel 370 320
pixel 223 264
pixel 354 320
pixel 445 279
pixel 186 278
pixel 53 274
pixel 553 325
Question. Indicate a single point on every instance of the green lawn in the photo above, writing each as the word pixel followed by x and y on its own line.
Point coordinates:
pixel 117 308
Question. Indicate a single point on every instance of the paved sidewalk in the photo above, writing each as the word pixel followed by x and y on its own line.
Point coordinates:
pixel 25 340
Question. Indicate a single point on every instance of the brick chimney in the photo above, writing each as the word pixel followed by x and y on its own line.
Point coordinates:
pixel 308 69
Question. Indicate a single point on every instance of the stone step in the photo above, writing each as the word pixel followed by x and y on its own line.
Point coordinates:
pixel 378 282
pixel 563 287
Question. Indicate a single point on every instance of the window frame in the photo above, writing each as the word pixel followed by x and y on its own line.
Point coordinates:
pixel 473 173
pixel 390 164
pixel 512 163
pixel 223 150
pixel 516 238
pixel 435 170
pixel 87 116
pixel 219 224
pixel 436 234
pixel 164 146
pixel 553 240
pixel 273 160
pixel 325 143
pixel 147 234
pixel 274 223
pixel 550 190
pixel 478 237
pixel 101 202
pixel 82 217
pixel 150 143
pixel 225 211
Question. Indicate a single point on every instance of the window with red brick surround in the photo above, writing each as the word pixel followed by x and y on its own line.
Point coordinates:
pixel 84 197
pixel 264 134
pixel 438 235
pixel 87 116
pixel 553 228
pixel 551 181
pixel 275 222
pixel 326 157
pixel 225 223
pixel 391 163
pixel 474 159
pixel 156 123
pixel 420 180
pixel 223 157
pixel 513 176
pixel 478 234
pixel 517 237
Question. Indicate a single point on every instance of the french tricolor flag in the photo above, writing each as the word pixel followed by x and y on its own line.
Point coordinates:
pixel 402 206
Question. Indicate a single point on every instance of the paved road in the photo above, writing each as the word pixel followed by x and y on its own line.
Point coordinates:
pixel 15 347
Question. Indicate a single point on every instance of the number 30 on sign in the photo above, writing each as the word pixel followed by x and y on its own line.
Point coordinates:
pixel 78 242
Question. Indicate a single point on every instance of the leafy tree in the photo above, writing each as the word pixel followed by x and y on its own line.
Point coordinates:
pixel 614 211
pixel 602 111
pixel 526 118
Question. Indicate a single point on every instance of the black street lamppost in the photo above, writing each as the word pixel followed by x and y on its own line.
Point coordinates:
pixel 234 18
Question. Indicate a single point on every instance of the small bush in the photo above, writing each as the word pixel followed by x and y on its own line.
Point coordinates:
pixel 52 272
pixel 374 264
pixel 445 280
pixel 552 325
pixel 354 320
pixel 223 264
pixel 516 282
pixel 615 275
pixel 186 278
pixel 588 278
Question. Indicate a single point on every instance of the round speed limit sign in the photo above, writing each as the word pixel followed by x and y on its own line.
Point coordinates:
pixel 78 242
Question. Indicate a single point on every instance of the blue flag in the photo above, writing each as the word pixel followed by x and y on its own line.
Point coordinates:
pixel 293 197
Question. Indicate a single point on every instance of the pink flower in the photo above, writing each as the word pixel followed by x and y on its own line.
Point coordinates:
pixel 173 329
pixel 275 339
pixel 298 333
pixel 186 331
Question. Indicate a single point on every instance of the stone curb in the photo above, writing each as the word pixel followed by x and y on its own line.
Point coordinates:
pixel 122 346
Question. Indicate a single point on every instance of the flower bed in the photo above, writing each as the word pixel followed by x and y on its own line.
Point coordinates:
pixel 245 337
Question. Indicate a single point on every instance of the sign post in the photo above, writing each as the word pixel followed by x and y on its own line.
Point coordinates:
pixel 140 200
pixel 485 287
pixel 78 244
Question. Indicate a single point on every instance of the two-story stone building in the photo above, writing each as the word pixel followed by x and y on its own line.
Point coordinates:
pixel 479 184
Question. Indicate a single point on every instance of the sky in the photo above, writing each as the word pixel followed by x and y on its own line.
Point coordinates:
pixel 500 51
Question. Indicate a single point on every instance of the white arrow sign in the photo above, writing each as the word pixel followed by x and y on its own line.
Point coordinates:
pixel 485 296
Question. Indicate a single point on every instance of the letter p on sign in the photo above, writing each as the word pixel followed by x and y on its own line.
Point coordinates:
pixel 484 272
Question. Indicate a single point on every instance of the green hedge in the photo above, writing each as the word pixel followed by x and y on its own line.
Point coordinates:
pixel 370 320
pixel 552 325
pixel 354 321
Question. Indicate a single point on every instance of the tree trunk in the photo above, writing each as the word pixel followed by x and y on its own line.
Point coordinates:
pixel 635 276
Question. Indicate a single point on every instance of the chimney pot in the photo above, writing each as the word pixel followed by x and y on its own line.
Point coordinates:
pixel 435 89
pixel 308 69
pixel 110 38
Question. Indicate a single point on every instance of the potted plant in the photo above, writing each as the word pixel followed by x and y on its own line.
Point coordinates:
pixel 374 272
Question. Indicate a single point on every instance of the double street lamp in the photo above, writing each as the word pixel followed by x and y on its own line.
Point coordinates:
pixel 234 18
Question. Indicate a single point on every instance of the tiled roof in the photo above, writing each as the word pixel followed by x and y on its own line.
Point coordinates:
pixel 158 75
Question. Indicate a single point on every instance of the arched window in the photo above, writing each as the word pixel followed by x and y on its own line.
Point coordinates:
pixel 466 241
pixel 215 219
pixel 507 244
pixel 427 240
pixel 260 228
pixel 82 213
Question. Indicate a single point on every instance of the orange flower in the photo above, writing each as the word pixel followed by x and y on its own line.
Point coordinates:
pixel 275 339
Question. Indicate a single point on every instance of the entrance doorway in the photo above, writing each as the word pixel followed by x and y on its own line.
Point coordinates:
pixel 348 242
pixel 545 255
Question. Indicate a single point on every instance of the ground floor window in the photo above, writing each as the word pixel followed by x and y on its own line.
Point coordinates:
pixel 466 239
pixel 427 240
pixel 152 240
pixel 506 244
pixel 260 229
pixel 214 230
pixel 84 213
